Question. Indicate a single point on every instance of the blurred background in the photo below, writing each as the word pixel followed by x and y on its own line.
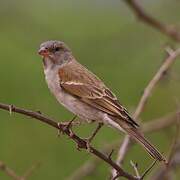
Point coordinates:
pixel 106 37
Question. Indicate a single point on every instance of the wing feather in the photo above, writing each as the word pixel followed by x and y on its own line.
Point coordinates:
pixel 91 90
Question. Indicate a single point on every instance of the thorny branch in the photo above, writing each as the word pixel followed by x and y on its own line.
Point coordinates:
pixel 152 126
pixel 81 143
pixel 11 173
pixel 172 55
pixel 138 10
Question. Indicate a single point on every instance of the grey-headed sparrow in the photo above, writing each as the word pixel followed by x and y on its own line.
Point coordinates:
pixel 85 95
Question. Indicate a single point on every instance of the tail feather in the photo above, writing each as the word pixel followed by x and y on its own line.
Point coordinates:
pixel 134 133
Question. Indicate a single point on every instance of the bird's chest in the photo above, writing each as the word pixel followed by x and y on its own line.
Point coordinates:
pixel 53 81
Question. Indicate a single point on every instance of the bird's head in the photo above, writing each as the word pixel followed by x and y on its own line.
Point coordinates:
pixel 54 52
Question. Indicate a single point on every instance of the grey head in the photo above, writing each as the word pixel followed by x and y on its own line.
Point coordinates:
pixel 54 53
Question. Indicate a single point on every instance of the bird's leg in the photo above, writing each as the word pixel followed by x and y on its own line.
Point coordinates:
pixel 65 126
pixel 95 132
pixel 89 140
pixel 74 123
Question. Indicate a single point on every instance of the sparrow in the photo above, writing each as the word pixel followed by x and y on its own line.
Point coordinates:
pixel 85 95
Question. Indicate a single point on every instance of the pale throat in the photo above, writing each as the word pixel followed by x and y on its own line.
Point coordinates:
pixel 51 75
pixel 48 63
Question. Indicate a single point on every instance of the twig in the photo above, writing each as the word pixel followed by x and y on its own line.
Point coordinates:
pixel 175 163
pixel 124 147
pixel 160 123
pixel 138 10
pixel 79 141
pixel 30 171
pixel 91 165
pixel 175 141
pixel 147 91
pixel 173 149
pixel 148 169
pixel 9 171
pixel 140 107
pixel 110 154
pixel 135 165
pixel 153 125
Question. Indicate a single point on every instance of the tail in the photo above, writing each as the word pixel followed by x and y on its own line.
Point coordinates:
pixel 137 135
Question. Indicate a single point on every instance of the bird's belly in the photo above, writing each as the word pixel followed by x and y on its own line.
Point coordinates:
pixel 73 104
pixel 78 107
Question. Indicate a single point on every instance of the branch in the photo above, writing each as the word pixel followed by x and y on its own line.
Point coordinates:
pixel 148 169
pixel 161 173
pixel 160 123
pixel 91 165
pixel 30 171
pixel 172 55
pixel 9 171
pixel 138 10
pixel 135 167
pixel 157 77
pixel 153 125
pixel 79 141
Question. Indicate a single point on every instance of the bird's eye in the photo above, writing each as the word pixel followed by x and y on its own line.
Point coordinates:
pixel 57 48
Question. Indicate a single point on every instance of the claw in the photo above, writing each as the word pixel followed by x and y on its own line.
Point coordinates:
pixel 65 127
pixel 59 130
pixel 88 144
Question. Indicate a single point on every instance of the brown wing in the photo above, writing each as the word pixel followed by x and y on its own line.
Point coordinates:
pixel 92 90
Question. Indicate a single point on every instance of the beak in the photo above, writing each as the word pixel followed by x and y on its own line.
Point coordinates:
pixel 43 51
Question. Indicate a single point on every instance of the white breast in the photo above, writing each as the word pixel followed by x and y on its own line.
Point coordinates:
pixel 73 104
pixel 52 79
pixel 67 100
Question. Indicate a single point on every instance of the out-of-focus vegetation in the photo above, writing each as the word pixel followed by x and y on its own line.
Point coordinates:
pixel 103 35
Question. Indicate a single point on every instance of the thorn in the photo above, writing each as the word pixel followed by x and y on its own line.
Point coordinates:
pixel 39 112
pixel 10 109
pixel 59 130
pixel 110 154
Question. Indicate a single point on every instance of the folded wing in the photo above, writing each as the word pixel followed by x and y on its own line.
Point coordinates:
pixel 92 90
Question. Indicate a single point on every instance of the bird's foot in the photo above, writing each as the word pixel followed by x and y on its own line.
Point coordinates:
pixel 89 139
pixel 65 126
pixel 88 144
